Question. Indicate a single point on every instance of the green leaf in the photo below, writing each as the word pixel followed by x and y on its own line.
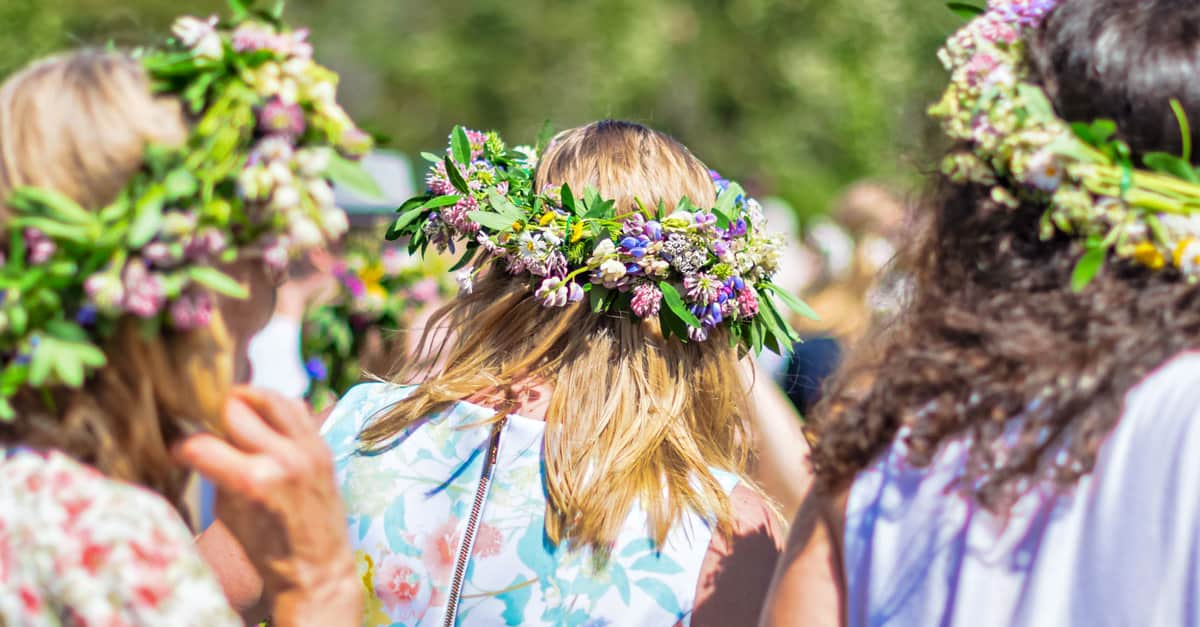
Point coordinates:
pixel 965 10
pixel 568 200
pixel 1170 164
pixel 90 356
pixel 239 9
pixel 793 303
pixel 1087 268
pixel 599 210
pixel 66 331
pixel 1185 129
pixel 430 157
pixel 460 146
pixel 58 206
pixel 218 282
pixel 55 230
pixel 1036 101
pixel 597 297
pixel 503 206
pixel 180 184
pixel 493 221
pixel 41 363
pixel 7 414
pixel 468 255
pixel 147 217
pixel 727 201
pixel 68 367
pixel 675 303
pixel 441 201
pixel 397 229
pixel 456 178
pixel 352 176
pixel 18 319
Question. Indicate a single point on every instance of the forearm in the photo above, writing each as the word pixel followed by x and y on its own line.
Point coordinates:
pixel 241 583
pixel 781 449
pixel 335 602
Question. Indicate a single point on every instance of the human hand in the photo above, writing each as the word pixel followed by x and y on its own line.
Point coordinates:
pixel 278 496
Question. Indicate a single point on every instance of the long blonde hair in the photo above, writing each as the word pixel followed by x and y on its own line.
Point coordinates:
pixel 632 418
pixel 79 124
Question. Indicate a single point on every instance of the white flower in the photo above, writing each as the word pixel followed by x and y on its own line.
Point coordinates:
pixel 305 233
pixel 1045 172
pixel 297 68
pixel 199 35
pixel 321 193
pixel 281 174
pixel 335 222
pixel 611 273
pixel 313 161
pixel 531 247
pixel 275 149
pixel 255 183
pixel 465 279
pixel 323 94
pixel 603 252
pixel 285 197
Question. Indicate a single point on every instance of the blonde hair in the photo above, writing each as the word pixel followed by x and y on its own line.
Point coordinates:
pixel 633 419
pixel 79 124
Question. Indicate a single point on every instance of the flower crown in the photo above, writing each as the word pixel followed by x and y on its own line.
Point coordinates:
pixel 709 266
pixel 252 180
pixel 378 289
pixel 1016 143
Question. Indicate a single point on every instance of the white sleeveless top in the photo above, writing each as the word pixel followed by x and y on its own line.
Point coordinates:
pixel 1122 548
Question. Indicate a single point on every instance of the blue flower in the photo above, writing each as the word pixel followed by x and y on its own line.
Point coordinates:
pixel 86 315
pixel 316 369
pixel 635 246
pixel 653 230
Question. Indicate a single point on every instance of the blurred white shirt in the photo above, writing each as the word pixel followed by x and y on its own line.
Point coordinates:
pixel 275 358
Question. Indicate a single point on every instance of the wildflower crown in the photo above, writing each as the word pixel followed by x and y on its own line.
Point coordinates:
pixel 1013 141
pixel 252 181
pixel 709 266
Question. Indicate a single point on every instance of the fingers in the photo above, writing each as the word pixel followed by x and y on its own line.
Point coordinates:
pixel 222 463
pixel 248 430
pixel 286 416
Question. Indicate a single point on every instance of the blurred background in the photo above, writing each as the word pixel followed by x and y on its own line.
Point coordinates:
pixel 796 98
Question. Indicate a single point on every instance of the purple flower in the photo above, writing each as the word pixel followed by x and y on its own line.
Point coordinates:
pixel 1028 13
pixel 277 117
pixel 86 315
pixel 158 254
pixel 736 283
pixel 635 246
pixel 737 229
pixel 702 288
pixel 192 310
pixel 105 291
pixel 143 290
pixel 647 300
pixel 698 334
pixel 555 292
pixel 634 225
pixel 316 369
pixel 353 284
pixel 705 220
pixel 41 248
pixel 720 182
pixel 653 231
pixel 747 301
pixel 720 248
pixel 207 243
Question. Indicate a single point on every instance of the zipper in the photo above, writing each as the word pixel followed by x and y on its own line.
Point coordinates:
pixel 468 540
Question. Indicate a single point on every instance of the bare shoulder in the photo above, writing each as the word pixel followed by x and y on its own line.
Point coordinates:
pixel 809 583
pixel 737 569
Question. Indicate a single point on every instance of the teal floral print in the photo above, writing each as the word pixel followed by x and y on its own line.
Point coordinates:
pixel 407 506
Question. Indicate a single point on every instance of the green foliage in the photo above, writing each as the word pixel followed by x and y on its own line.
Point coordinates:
pixel 795 97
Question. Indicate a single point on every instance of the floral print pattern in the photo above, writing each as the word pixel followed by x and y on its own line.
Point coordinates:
pixel 408 504
pixel 77 548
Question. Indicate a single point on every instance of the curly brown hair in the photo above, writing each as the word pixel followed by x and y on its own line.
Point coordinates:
pixel 994 346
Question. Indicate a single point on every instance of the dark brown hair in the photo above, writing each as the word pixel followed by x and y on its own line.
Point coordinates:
pixel 994 346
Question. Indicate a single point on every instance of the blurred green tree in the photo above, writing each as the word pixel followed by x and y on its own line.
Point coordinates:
pixel 795 97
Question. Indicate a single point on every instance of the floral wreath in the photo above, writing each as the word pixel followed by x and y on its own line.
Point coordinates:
pixel 377 289
pixel 708 266
pixel 251 181
pixel 1015 142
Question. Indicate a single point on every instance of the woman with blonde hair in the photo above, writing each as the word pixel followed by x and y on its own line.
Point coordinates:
pixel 578 459
pixel 137 262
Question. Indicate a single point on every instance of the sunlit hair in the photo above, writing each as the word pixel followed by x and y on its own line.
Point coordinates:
pixel 78 124
pixel 632 418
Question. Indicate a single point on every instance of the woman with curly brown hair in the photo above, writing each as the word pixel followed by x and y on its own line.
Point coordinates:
pixel 1018 448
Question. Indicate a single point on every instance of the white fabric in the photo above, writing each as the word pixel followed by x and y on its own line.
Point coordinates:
pixel 1122 548
pixel 276 360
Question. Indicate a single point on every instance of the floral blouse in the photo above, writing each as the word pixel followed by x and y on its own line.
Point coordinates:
pixel 80 549
pixel 409 505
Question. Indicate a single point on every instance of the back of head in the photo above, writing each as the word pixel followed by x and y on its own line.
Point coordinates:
pixel 79 124
pixel 633 417
pixel 996 345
